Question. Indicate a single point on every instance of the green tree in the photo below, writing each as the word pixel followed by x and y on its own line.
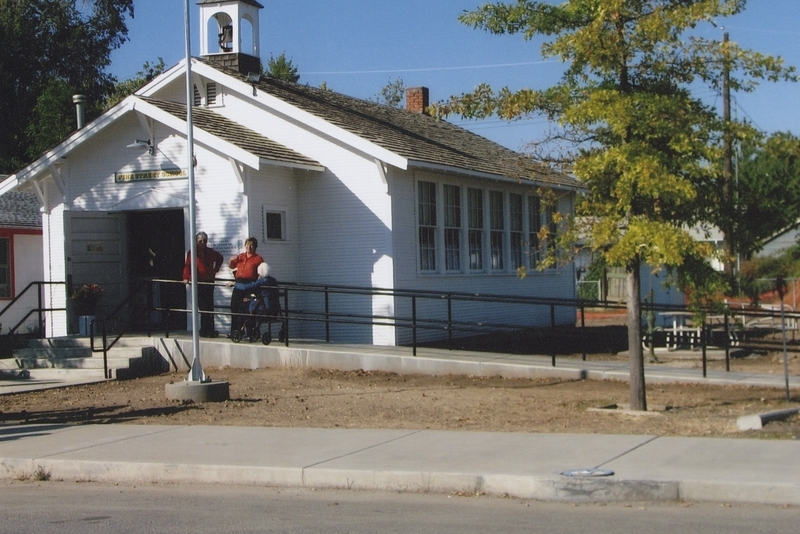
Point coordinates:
pixel 49 48
pixel 767 190
pixel 282 68
pixel 392 94
pixel 53 117
pixel 629 126
pixel 128 87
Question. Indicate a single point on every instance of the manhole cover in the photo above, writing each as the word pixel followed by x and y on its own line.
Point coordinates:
pixel 587 473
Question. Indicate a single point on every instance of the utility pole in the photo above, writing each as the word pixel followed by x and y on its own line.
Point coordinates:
pixel 727 164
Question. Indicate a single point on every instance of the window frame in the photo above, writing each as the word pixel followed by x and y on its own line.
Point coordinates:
pixel 476 230
pixel 497 232
pixel 516 233
pixel 534 217
pixel 427 226
pixel 453 226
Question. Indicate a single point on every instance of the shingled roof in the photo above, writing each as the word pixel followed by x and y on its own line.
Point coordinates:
pixel 415 136
pixel 20 210
pixel 234 133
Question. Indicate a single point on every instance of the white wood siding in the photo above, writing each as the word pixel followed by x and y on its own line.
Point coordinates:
pixel 346 243
pixel 275 189
pixel 93 165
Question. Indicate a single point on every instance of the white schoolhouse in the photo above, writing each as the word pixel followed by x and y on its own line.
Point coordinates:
pixel 337 190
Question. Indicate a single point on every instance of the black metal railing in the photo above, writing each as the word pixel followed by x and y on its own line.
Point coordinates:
pixel 39 310
pixel 123 317
pixel 450 325
pixel 417 316
pixel 736 325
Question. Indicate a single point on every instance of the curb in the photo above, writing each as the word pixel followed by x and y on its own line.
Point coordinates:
pixel 553 488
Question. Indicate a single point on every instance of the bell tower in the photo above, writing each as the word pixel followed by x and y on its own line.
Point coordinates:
pixel 229 33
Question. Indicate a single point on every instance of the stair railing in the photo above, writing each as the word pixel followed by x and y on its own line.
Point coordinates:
pixel 117 316
pixel 40 309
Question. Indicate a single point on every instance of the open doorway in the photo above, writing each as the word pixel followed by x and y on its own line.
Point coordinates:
pixel 156 252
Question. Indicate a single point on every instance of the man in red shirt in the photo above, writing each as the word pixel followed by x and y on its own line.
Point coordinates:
pixel 209 262
pixel 245 268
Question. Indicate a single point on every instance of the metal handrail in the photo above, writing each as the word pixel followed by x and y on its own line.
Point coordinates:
pixel 106 346
pixel 415 322
pixel 40 309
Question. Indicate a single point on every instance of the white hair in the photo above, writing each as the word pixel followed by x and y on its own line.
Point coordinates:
pixel 263 270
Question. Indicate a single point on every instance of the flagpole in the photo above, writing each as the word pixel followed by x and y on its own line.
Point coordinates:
pixel 196 372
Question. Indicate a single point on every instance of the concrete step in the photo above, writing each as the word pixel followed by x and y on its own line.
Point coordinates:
pixel 73 342
pixel 65 353
pixel 72 359
pixel 81 375
pixel 65 363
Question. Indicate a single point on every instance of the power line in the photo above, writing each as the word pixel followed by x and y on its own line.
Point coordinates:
pixel 429 69
pixel 762 30
pixel 499 123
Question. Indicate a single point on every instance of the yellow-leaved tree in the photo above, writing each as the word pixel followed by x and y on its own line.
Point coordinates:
pixel 628 125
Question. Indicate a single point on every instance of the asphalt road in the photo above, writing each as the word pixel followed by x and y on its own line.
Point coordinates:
pixel 70 507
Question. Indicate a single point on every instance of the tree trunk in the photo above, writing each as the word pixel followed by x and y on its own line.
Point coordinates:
pixel 633 288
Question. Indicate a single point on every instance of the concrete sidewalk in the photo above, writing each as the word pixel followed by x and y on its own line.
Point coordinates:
pixel 530 466
pixel 518 464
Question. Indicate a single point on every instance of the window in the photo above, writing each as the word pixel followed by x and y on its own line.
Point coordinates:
pixel 468 229
pixel 275 222
pixel 496 229
pixel 426 198
pixel 534 225
pixel 475 228
pixel 452 227
pixel 5 267
pixel 515 222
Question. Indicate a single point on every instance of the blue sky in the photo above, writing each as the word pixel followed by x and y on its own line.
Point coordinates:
pixel 358 46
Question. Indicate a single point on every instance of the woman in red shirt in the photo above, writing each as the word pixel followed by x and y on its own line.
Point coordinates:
pixel 245 268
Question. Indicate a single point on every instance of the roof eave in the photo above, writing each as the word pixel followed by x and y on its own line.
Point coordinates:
pixel 292 165
pixel 426 165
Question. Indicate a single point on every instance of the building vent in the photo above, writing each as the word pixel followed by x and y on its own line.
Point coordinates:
pixel 211 94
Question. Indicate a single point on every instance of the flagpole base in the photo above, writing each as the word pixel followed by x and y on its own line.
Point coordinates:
pixel 198 391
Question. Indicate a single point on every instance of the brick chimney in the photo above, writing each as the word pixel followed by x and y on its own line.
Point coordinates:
pixel 417 99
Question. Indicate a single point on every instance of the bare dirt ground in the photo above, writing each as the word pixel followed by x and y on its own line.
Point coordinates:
pixel 291 397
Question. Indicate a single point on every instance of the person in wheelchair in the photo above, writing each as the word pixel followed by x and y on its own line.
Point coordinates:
pixel 264 302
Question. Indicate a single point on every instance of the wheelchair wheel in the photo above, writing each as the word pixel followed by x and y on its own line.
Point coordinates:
pixel 266 338
pixel 282 336
pixel 236 336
